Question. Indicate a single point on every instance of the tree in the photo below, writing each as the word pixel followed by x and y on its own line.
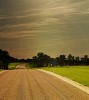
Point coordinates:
pixel 41 60
pixel 77 60
pixel 54 61
pixel 35 61
pixel 4 57
pixel 70 59
pixel 86 60
pixel 62 59
pixel 1 65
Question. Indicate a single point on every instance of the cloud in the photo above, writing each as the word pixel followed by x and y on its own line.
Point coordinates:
pixel 32 25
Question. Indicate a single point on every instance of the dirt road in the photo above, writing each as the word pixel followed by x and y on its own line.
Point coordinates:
pixel 22 84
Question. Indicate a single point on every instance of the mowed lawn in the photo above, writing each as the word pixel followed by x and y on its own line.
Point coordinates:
pixel 76 73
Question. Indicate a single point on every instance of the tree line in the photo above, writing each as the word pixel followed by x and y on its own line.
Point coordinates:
pixel 44 60
pixel 5 59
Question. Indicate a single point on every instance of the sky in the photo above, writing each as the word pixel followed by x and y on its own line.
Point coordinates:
pixel 51 26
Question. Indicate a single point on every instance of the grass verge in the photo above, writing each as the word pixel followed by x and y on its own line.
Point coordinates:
pixel 12 66
pixel 77 73
pixel 28 66
pixel 1 70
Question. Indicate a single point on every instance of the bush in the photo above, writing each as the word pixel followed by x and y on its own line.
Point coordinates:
pixel 1 65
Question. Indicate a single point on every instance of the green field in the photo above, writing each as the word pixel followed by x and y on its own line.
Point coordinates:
pixel 76 73
pixel 12 66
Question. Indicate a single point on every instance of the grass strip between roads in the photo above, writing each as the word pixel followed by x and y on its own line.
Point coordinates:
pixel 79 74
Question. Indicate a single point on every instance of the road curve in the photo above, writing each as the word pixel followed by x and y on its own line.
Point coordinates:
pixel 22 84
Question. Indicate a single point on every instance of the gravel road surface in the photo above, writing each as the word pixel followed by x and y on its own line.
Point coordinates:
pixel 22 84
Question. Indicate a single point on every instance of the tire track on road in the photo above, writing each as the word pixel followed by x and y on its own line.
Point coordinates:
pixel 29 85
pixel 39 91
pixel 54 93
pixel 42 90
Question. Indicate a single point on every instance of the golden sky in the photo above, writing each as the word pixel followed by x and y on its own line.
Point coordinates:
pixel 51 26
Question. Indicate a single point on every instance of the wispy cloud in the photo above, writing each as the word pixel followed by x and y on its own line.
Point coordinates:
pixel 32 25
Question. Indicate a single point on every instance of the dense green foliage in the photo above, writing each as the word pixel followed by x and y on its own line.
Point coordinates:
pixel 76 73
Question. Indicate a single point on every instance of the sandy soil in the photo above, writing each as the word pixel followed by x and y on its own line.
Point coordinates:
pixel 22 84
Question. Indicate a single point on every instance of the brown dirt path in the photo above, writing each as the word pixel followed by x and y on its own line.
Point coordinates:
pixel 22 84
